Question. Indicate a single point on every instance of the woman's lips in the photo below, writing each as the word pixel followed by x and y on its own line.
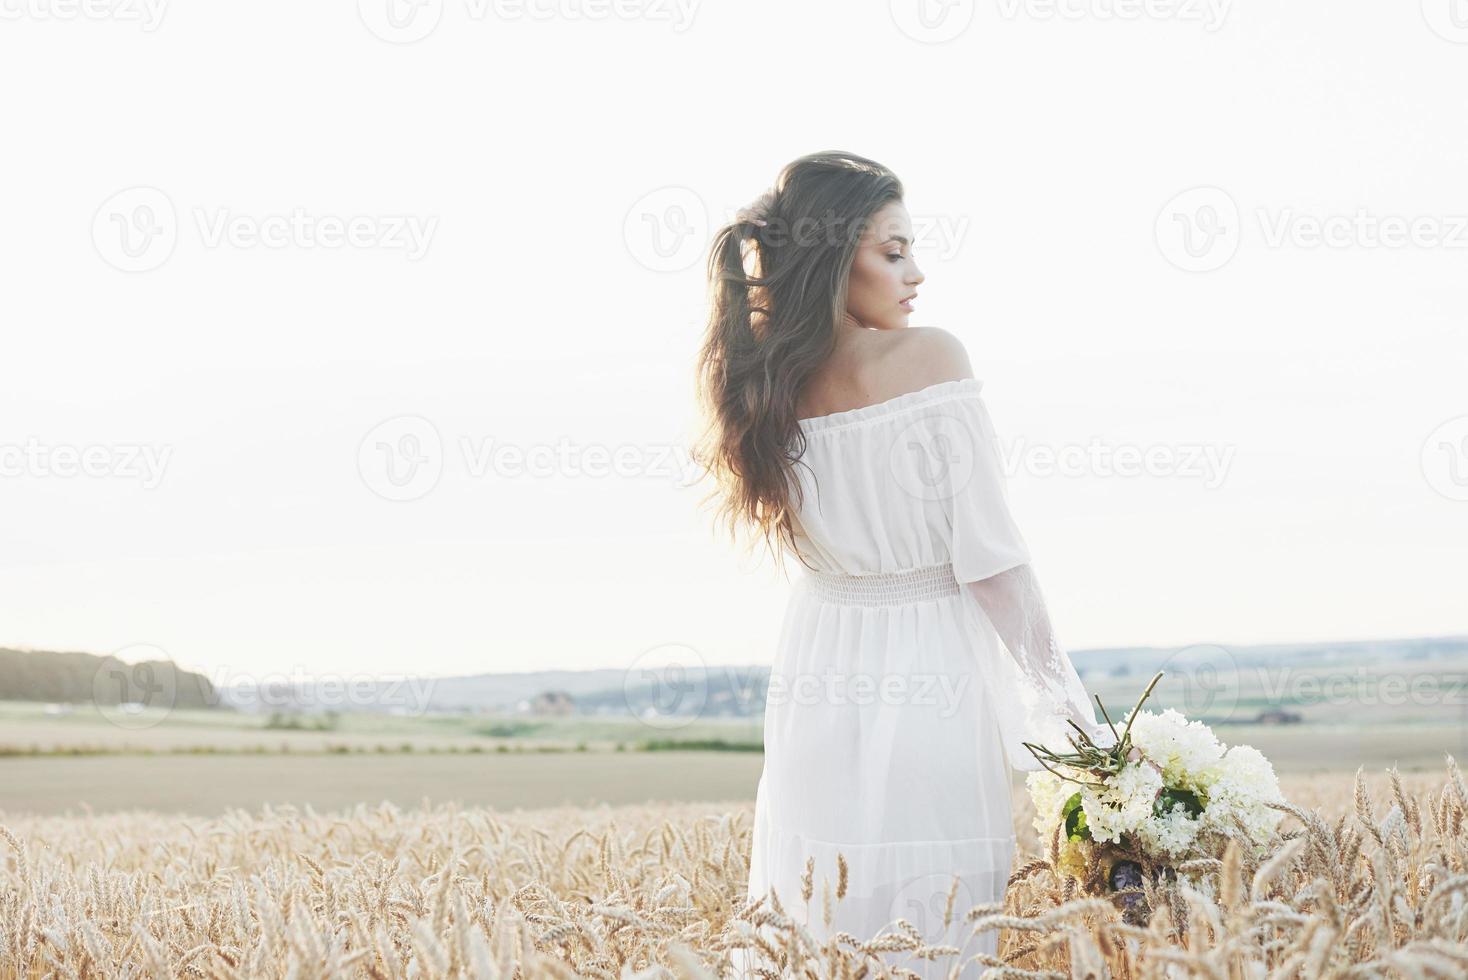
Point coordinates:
pixel 907 303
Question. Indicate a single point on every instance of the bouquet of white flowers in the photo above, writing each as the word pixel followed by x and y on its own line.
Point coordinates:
pixel 1166 792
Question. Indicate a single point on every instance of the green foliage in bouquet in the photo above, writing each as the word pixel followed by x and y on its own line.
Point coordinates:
pixel 1075 819
pixel 1087 756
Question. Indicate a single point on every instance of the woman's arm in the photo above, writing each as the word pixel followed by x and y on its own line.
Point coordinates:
pixel 1015 606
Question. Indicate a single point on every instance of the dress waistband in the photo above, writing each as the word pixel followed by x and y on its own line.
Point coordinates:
pixel 884 588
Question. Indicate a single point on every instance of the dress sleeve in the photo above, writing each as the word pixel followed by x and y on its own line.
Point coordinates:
pixel 985 540
pixel 1036 688
pixel 1052 693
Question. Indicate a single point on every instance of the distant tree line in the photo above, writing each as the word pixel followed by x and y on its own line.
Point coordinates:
pixel 84 678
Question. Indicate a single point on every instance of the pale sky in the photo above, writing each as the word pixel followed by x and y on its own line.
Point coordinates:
pixel 247 249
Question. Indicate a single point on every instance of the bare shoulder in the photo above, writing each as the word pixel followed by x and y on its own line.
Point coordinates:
pixel 923 356
pixel 877 366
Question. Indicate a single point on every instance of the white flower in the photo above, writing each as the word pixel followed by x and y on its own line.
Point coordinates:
pixel 1124 805
pixel 1049 793
pixel 1186 750
pixel 1241 784
pixel 1172 834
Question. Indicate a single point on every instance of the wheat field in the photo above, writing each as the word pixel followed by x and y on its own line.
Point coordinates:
pixel 1368 880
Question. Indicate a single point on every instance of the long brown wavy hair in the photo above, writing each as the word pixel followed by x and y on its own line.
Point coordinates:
pixel 774 310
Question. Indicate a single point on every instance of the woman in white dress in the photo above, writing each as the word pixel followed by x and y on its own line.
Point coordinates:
pixel 916 656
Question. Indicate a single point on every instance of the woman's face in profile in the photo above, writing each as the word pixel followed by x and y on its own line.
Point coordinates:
pixel 884 275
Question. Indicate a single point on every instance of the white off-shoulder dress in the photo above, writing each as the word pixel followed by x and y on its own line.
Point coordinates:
pixel 910 668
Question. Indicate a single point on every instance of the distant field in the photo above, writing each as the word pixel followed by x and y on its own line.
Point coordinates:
pixel 207 761
pixel 25 726
pixel 209 784
pixel 1221 691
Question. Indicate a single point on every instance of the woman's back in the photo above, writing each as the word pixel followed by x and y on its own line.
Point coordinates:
pixel 871 366
pixel 908 481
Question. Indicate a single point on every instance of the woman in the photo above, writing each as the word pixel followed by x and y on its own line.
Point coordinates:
pixel 862 447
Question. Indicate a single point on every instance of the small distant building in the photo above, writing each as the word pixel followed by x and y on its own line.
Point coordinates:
pixel 553 703
pixel 1279 716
